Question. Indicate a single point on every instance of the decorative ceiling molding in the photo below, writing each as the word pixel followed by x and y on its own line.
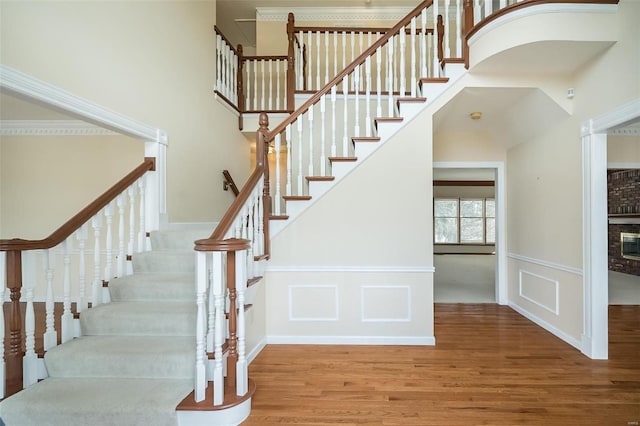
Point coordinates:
pixel 51 128
pixel 627 131
pixel 280 14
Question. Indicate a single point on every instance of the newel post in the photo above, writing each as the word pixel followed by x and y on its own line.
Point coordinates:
pixel 15 354
pixel 291 64
pixel 240 87
pixel 262 159
pixel 467 25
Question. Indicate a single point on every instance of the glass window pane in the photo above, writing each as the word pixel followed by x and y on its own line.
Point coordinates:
pixel 490 206
pixel 471 208
pixel 471 230
pixel 491 230
pixel 445 208
pixel 445 230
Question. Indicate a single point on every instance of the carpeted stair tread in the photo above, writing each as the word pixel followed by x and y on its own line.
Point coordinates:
pixel 96 402
pixel 173 286
pixel 140 318
pixel 152 357
pixel 173 261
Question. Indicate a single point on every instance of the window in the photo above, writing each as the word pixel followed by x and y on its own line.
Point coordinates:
pixel 464 221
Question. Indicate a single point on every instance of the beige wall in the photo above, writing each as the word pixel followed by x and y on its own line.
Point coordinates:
pixel 152 61
pixel 623 149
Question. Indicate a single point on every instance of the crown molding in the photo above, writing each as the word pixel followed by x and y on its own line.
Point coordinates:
pixel 302 14
pixel 51 128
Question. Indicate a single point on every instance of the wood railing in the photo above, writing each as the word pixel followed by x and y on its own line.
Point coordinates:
pixel 224 263
pixel 229 183
pixel 122 211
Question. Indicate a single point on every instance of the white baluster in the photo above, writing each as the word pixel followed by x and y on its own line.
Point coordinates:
pixel 255 238
pixel 278 66
pixel 423 44
pixel 3 286
pixel 447 29
pixel 361 40
pixel 356 86
pixel 234 80
pixel 255 85
pixel 299 187
pixel 318 41
pixel 242 376
pixel 262 85
pixel 224 70
pixel 488 8
pixel 323 161
pixel 66 322
pixel 334 91
pixel 83 302
pixel 249 258
pixel 309 61
pixel 50 338
pixel 108 214
pixel 458 28
pixel 277 185
pixel 414 79
pixel 345 118
pixel 367 120
pixel 310 117
pixel 96 287
pixel 477 12
pixel 270 84
pixel 344 54
pixel 436 61
pixel 335 54
pixel 403 83
pixel 219 335
pixel 201 288
pixel 353 54
pixel 131 192
pixel 142 233
pixel 289 143
pixel 390 77
pixel 379 81
pixel 300 61
pixel 30 359
pixel 260 217
pixel 326 57
pixel 121 201
pixel 247 85
pixel 218 64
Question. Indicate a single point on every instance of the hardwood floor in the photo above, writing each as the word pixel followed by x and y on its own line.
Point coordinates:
pixel 490 366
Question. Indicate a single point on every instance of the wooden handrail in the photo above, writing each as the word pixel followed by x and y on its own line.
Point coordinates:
pixel 229 183
pixel 70 226
pixel 340 30
pixel 349 69
pixel 265 58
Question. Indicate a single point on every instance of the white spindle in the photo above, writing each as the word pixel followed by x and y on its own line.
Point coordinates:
pixel 390 76
pixel 413 77
pixel 488 8
pixel 219 335
pixel 201 288
pixel 271 75
pixel 345 135
pixel 367 120
pixel 423 44
pixel 248 261
pixel 3 286
pixel 436 61
pixel 108 214
pixel 477 12
pixel 262 85
pixel 234 78
pixel 278 66
pixel 247 85
pixel 96 288
pixel 353 53
pixel 218 63
pixel 224 70
pixel 131 192
pixel 255 85
pixel 242 376
pixel 318 41
pixel 335 54
pixel 277 185
pixel 334 91
pixel 81 236
pixel 121 201
pixel 326 57
pixel 310 60
pixel 379 81
pixel 310 118
pixel 50 339
pixel 361 39
pixel 289 143
pixel 66 322
pixel 356 86
pixel 344 53
pixel 142 234
pixel 458 28
pixel 30 360
pixel 447 29
pixel 299 187
pixel 323 161
pixel 260 243
pixel 402 41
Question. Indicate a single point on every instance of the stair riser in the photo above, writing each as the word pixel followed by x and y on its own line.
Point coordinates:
pixel 97 322
pixel 408 110
pixel 386 130
pixel 341 169
pixel 178 240
pixel 316 189
pixel 148 262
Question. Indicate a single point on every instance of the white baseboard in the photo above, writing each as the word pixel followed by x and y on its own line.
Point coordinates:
pixel 256 350
pixel 550 328
pixel 351 340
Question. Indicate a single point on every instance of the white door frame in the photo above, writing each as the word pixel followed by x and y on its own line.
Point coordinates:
pixel 501 210
pixel 595 338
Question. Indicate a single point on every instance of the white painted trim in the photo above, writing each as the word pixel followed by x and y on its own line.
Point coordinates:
pixel 501 217
pixel 550 328
pixel 302 14
pixel 51 128
pixel 311 319
pixel 23 85
pixel 351 269
pixel 617 118
pixel 231 416
pixel 623 165
pixel 546 264
pixel 256 350
pixel 352 340
pixel 362 304
pixel 627 131
pixel 540 9
pixel 555 283
pixel 225 104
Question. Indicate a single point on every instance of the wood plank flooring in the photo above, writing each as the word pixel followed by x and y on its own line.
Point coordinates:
pixel 490 366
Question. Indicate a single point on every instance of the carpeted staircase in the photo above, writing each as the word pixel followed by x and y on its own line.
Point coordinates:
pixel 135 360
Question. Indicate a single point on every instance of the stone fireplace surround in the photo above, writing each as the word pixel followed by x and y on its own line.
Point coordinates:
pixel 624 211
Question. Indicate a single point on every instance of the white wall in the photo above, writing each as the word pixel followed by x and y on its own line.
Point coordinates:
pixel 152 61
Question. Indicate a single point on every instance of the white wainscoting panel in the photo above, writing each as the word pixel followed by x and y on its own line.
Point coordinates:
pixel 385 303
pixel 313 302
pixel 539 290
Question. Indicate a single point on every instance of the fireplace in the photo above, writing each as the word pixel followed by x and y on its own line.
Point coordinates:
pixel 630 245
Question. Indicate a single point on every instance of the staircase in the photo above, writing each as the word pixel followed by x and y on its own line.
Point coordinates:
pixel 133 363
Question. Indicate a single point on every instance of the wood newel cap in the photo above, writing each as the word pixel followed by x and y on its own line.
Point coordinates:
pixel 231 244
